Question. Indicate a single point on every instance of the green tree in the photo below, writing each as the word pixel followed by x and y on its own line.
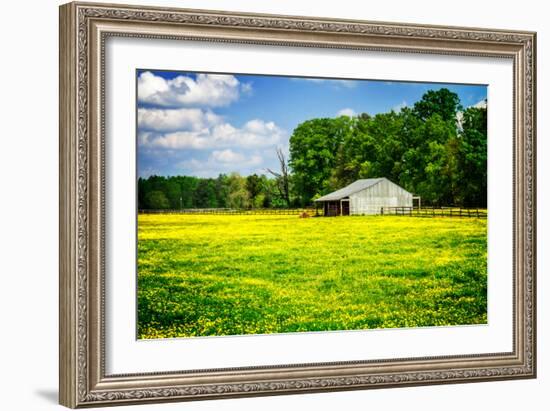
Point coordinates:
pixel 472 157
pixel 172 190
pixel 205 194
pixel 373 147
pixel 443 102
pixel 238 194
pixel 429 166
pixel 188 185
pixel 156 200
pixel 254 187
pixel 353 155
pixel 222 190
pixel 313 147
pixel 143 187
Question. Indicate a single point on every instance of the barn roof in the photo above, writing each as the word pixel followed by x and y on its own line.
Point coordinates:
pixel 354 187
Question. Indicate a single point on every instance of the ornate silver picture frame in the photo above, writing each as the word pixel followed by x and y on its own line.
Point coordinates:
pixel 84 30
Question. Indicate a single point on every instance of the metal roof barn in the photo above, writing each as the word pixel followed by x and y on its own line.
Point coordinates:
pixel 364 197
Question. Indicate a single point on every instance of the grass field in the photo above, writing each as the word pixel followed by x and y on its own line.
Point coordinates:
pixel 224 275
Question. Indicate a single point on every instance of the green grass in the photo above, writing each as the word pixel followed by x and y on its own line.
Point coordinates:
pixel 225 275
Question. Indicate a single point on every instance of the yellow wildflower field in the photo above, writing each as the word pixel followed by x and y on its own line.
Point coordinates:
pixel 211 275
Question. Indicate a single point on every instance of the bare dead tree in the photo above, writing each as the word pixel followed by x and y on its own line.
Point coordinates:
pixel 282 178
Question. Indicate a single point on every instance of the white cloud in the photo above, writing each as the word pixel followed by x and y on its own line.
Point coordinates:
pixel 227 156
pixel 346 112
pixel 460 114
pixel 480 104
pixel 224 161
pixel 176 119
pixel 397 108
pixel 333 82
pixel 211 90
pixel 216 135
pixel 144 138
pixel 149 171
pixel 347 83
pixel 246 88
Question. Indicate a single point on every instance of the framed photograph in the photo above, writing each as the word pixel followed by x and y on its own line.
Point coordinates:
pixel 259 204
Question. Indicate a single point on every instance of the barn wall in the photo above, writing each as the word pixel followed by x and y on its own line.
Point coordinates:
pixel 383 194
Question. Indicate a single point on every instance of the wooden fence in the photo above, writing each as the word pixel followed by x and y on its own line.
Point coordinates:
pixel 232 211
pixel 451 212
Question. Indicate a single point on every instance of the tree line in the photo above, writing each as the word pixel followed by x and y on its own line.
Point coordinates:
pixel 225 191
pixel 435 149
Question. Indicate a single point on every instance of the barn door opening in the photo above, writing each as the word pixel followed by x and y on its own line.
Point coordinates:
pixel 345 206
pixel 332 208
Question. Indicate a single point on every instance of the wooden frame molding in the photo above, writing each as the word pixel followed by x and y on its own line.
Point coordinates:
pixel 84 27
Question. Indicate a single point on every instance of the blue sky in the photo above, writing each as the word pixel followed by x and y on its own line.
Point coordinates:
pixel 205 124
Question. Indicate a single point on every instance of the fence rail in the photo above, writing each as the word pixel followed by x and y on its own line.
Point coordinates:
pixel 451 212
pixel 232 211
